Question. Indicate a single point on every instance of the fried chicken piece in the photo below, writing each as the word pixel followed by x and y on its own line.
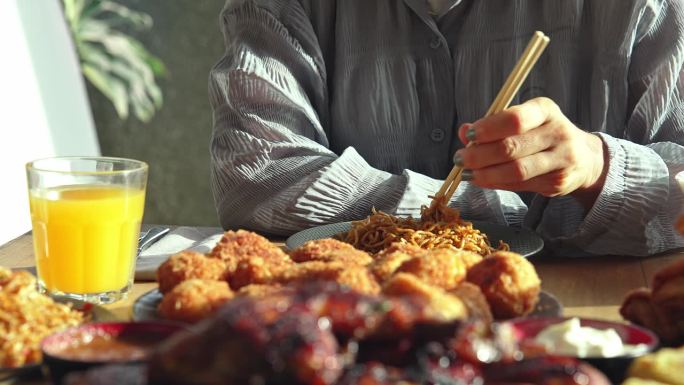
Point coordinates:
pixel 445 307
pixel 330 250
pixel 235 246
pixel 469 258
pixel 188 265
pixel 19 283
pixel 258 290
pixel 440 267
pixel 258 270
pixel 509 282
pixel 194 300
pixel 357 278
pixel 388 260
pixel 638 307
pixel 475 301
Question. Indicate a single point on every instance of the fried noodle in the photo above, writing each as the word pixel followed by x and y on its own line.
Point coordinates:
pixel 440 226
pixel 26 317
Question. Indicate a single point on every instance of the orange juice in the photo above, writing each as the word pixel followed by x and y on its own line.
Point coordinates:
pixel 85 237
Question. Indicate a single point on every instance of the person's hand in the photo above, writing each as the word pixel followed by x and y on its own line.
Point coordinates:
pixel 533 147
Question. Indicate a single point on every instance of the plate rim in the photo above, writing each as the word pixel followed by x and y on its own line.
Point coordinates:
pixel 290 241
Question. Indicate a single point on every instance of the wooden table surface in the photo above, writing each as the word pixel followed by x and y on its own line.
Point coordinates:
pixel 590 287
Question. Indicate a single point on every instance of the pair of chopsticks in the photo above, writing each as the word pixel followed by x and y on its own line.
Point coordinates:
pixel 511 87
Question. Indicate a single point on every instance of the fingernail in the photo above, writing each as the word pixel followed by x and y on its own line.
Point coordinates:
pixel 467 175
pixel 458 159
pixel 470 134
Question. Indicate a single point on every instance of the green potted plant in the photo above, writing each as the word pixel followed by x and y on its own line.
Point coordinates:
pixel 115 63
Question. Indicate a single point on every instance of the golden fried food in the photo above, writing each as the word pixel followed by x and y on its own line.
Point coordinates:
pixel 26 317
pixel 357 278
pixel 258 291
pixel 639 307
pixel 258 270
pixel 235 246
pixel 443 305
pixel 440 267
pixel 475 301
pixel 187 265
pixel 388 260
pixel 509 282
pixel 664 366
pixel 330 250
pixel 469 258
pixel 194 299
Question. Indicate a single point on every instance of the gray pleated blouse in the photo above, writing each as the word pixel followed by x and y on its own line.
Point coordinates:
pixel 324 109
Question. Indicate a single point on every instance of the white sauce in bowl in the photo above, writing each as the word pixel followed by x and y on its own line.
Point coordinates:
pixel 571 339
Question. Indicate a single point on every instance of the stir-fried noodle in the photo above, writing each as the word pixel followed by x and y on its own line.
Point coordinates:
pixel 440 226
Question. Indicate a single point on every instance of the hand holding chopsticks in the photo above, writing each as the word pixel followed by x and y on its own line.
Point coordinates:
pixel 515 80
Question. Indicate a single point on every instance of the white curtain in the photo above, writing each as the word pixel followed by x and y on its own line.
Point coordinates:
pixel 44 109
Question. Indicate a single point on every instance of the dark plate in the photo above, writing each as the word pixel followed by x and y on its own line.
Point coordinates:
pixel 524 242
pixel 145 307
pixel 92 313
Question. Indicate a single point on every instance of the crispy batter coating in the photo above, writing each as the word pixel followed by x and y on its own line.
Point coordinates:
pixel 662 367
pixel 235 246
pixel 388 260
pixel 187 265
pixel 445 306
pixel 194 299
pixel 258 270
pixel 330 250
pixel 357 278
pixel 440 267
pixel 258 290
pixel 475 301
pixel 469 258
pixel 510 283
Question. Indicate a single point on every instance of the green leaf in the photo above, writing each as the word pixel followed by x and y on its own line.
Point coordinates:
pixel 115 63
pixel 112 88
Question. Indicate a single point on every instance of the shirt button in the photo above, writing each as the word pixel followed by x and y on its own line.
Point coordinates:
pixel 437 135
pixel 435 43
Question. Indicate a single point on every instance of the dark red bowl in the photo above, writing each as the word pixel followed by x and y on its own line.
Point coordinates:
pixel 95 344
pixel 615 368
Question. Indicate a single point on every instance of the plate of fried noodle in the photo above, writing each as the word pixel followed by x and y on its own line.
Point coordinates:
pixel 27 316
pixel 440 226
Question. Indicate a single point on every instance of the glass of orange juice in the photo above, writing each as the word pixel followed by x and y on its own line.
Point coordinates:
pixel 86 214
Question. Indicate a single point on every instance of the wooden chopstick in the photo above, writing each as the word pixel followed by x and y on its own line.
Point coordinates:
pixel 515 80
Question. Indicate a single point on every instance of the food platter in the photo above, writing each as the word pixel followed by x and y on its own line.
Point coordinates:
pixel 522 241
pixel 145 307
pixel 92 313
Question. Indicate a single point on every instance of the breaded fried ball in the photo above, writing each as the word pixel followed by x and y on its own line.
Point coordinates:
pixel 475 301
pixel 388 260
pixel 357 278
pixel 443 305
pixel 187 265
pixel 330 250
pixel 194 300
pixel 258 270
pixel 440 267
pixel 469 258
pixel 258 291
pixel 235 246
pixel 509 282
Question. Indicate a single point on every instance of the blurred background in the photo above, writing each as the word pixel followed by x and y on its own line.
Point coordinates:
pixel 124 78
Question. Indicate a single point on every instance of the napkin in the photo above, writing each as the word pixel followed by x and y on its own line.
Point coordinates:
pixel 197 239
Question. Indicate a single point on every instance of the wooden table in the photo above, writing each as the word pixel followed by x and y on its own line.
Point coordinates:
pixel 591 287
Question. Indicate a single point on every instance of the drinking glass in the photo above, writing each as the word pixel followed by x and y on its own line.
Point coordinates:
pixel 86 214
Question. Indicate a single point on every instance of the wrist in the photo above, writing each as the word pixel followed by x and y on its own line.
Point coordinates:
pixel 597 173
